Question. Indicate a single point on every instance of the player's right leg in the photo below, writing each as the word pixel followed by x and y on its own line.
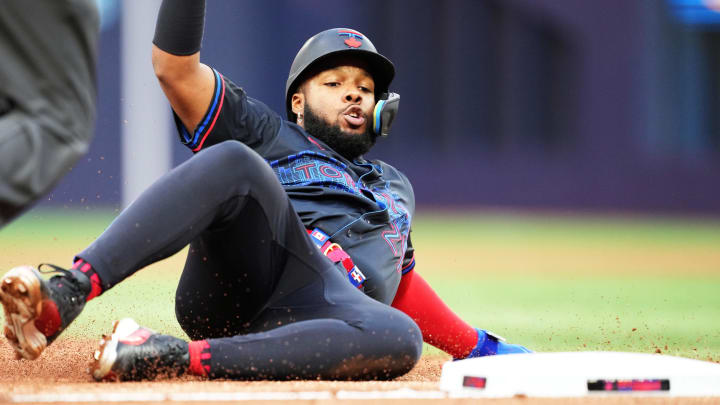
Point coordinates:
pixel 197 195
pixel 326 330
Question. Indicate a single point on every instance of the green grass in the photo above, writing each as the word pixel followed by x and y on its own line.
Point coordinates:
pixel 673 314
pixel 553 283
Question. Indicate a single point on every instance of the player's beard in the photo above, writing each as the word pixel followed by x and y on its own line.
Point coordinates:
pixel 349 146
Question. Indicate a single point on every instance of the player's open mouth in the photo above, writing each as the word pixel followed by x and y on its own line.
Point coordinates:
pixel 354 116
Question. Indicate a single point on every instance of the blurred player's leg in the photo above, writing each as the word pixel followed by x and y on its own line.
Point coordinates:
pixel 32 159
pixel 47 95
pixel 47 110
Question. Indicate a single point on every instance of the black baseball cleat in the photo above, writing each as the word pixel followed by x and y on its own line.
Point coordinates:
pixel 133 353
pixel 38 310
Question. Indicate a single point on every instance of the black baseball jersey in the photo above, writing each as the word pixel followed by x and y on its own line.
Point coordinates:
pixel 364 206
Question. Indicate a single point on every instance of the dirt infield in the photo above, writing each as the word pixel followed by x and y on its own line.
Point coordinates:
pixel 60 376
pixel 65 362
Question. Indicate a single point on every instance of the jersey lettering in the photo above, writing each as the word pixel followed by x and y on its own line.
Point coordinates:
pixel 305 169
pixel 330 171
pixel 309 168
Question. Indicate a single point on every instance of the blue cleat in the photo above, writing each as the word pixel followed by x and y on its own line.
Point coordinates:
pixel 490 344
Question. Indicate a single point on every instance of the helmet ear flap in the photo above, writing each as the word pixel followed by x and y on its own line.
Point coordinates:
pixel 384 114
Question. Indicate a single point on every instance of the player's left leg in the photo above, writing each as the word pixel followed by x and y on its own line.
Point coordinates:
pixel 383 346
pixel 315 325
pixel 339 335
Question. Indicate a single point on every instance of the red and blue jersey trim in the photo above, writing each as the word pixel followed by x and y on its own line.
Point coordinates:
pixel 409 267
pixel 196 141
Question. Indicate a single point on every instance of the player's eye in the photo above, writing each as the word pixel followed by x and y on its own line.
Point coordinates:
pixel 365 89
pixel 332 84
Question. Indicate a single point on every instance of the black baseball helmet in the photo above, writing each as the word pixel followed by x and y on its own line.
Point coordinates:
pixel 333 42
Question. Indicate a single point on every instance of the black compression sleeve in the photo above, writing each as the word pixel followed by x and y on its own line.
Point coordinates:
pixel 179 28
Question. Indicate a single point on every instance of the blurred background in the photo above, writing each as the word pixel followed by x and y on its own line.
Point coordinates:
pixel 609 105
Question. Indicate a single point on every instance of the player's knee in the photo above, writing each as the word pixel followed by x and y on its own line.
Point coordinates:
pixel 230 157
pixel 403 345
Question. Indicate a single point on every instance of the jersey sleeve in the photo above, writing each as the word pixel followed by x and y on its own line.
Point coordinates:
pixel 231 115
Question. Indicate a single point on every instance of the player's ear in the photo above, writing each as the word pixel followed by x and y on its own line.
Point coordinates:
pixel 297 103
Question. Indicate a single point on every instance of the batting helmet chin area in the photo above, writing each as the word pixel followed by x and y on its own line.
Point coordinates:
pixel 333 42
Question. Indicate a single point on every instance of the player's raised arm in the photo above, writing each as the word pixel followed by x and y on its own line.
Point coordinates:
pixel 187 83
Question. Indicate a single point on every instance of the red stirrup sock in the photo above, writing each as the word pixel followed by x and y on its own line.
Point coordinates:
pixel 199 357
pixel 440 326
pixel 95 282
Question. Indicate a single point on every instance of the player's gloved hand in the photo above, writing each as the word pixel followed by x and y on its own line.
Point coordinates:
pixel 490 344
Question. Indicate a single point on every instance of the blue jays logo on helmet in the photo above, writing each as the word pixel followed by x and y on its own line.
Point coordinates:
pixel 354 38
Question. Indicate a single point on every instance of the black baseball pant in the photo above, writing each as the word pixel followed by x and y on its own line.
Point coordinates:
pixel 254 285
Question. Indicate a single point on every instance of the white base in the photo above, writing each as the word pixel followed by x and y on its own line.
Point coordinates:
pixel 568 374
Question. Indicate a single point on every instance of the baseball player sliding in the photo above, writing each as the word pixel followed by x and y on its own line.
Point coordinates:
pixel 300 262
